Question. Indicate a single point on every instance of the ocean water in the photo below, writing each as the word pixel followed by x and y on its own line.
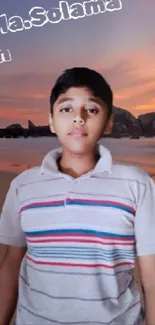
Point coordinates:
pixel 19 154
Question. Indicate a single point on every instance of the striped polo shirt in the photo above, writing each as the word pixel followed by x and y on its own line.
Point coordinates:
pixel 82 237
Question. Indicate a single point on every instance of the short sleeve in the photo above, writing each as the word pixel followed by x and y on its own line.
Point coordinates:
pixel 10 226
pixel 145 218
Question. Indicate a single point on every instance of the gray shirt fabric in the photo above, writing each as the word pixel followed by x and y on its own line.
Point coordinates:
pixel 82 237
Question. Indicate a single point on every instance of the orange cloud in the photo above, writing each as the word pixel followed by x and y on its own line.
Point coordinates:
pixel 128 93
pixel 132 79
pixel 150 106
pixel 39 96
pixel 21 116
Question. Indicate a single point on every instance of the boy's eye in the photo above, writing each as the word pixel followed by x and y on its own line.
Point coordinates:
pixel 92 110
pixel 65 109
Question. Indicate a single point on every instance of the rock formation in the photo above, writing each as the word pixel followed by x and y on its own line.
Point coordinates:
pixel 125 125
pixel 147 122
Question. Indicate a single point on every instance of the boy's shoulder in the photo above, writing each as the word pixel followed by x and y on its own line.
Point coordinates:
pixel 27 176
pixel 129 172
pixel 33 174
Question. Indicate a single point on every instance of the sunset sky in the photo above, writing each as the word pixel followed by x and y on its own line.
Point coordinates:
pixel 120 45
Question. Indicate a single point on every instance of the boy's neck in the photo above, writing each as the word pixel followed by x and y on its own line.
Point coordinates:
pixel 77 166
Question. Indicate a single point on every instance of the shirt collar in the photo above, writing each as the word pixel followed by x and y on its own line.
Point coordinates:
pixel 49 163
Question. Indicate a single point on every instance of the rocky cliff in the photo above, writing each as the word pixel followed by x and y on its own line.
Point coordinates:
pixel 125 125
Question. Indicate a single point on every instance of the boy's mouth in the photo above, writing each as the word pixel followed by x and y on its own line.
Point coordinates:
pixel 78 133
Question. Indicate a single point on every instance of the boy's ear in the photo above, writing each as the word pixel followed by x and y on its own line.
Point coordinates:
pixel 51 124
pixel 110 124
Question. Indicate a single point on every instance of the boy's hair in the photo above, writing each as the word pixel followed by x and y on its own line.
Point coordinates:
pixel 82 77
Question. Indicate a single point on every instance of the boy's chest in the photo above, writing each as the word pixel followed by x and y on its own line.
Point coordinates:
pixel 85 204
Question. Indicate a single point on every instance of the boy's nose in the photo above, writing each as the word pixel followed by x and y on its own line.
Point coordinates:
pixel 78 120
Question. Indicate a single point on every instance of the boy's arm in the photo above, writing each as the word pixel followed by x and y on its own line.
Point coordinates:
pixel 11 235
pixel 9 273
pixel 147 272
pixel 145 243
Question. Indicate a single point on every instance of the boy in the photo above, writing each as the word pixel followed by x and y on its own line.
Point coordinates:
pixel 75 225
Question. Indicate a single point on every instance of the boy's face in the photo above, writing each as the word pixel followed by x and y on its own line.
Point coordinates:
pixel 79 119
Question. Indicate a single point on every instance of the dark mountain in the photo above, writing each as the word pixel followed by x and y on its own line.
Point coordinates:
pixel 125 125
pixel 35 131
pixel 14 131
pixel 147 122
